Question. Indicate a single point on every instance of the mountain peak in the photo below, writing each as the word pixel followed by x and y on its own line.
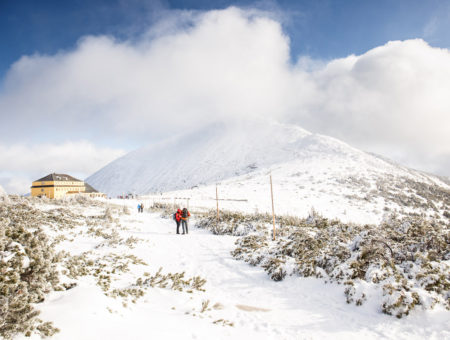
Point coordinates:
pixel 225 150
pixel 212 153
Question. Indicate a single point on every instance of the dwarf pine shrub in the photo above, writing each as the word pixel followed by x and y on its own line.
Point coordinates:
pixel 4 199
pixel 167 210
pixel 28 271
pixel 126 210
pixel 405 258
pixel 173 281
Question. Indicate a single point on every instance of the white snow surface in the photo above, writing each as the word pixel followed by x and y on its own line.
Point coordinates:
pixel 259 308
pixel 308 170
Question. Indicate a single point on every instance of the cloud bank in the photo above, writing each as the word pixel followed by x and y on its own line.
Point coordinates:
pixel 231 63
pixel 391 100
pixel 228 65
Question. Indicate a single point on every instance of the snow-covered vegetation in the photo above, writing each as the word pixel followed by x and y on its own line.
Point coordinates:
pixel 33 263
pixel 401 263
pixel 3 196
pixel 28 270
pixel 124 274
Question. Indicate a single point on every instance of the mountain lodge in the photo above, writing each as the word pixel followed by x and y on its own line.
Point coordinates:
pixel 61 185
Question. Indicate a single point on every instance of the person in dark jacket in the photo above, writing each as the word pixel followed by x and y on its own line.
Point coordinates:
pixel 185 214
pixel 177 218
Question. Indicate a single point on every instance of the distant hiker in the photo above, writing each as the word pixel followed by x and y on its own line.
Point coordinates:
pixel 139 207
pixel 185 214
pixel 142 207
pixel 177 218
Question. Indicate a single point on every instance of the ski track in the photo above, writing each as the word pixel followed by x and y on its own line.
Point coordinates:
pixel 298 308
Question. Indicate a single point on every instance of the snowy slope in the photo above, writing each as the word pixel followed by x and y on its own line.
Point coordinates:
pixel 214 153
pixel 309 170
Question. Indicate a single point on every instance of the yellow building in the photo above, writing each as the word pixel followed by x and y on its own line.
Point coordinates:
pixel 60 186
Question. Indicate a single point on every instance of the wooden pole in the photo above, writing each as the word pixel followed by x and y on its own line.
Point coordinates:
pixel 217 204
pixel 273 210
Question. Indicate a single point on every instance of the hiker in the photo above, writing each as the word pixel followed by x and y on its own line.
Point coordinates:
pixel 184 220
pixel 177 218
pixel 142 207
pixel 139 207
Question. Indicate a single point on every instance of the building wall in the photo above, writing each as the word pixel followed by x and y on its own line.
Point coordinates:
pixel 64 187
pixel 57 189
pixel 47 192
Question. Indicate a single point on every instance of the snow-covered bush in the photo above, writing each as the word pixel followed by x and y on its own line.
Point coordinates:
pixel 231 223
pixel 167 210
pixel 108 214
pixel 3 196
pixel 174 281
pixel 240 224
pixel 125 210
pixel 405 260
pixel 28 271
pixel 104 268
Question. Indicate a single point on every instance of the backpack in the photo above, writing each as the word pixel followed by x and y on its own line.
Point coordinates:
pixel 184 213
pixel 175 216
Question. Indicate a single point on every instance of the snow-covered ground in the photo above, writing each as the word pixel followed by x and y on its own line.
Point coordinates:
pixel 329 185
pixel 244 303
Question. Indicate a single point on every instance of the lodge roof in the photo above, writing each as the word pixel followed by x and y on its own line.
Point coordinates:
pixel 58 177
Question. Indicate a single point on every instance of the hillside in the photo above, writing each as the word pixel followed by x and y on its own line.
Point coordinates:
pixel 309 171
pixel 213 153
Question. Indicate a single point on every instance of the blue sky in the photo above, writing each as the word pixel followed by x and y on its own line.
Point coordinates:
pixel 88 81
pixel 322 29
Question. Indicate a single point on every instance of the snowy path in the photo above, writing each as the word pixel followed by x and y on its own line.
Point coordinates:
pixel 258 307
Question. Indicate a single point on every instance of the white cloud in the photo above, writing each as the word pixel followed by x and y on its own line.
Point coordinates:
pixel 392 100
pixel 223 66
pixel 229 64
pixel 22 164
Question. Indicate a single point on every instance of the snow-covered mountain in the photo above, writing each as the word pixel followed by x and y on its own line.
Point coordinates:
pixel 205 156
pixel 309 170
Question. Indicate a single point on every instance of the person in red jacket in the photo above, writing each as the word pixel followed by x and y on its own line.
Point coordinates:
pixel 185 214
pixel 177 218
